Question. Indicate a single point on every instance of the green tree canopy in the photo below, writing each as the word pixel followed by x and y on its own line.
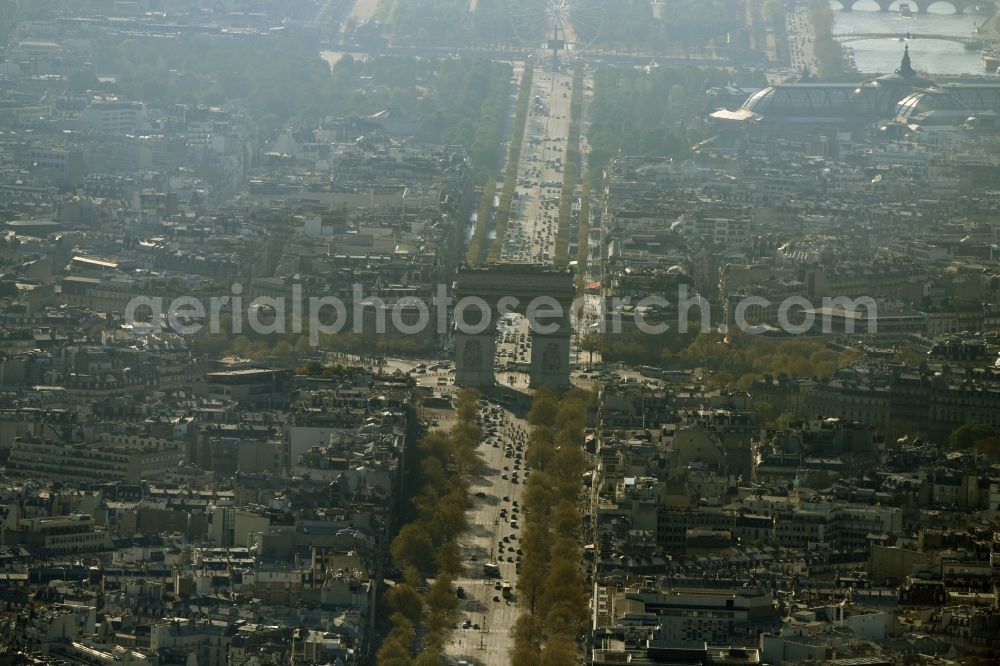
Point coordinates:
pixel 980 437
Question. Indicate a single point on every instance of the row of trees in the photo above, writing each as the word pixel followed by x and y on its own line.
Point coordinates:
pixel 513 158
pixel 484 220
pixel 424 604
pixel 484 149
pixel 583 235
pixel 637 348
pixel 734 359
pixel 551 586
pixel 829 53
pixel 572 170
pixel 747 358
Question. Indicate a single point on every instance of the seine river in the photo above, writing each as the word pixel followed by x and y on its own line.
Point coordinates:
pixel 935 56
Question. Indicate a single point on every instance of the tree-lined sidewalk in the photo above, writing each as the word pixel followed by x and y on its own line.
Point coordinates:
pixel 423 606
pixel 551 587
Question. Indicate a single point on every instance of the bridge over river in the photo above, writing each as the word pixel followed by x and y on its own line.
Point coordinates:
pixel 960 6
pixel 971 42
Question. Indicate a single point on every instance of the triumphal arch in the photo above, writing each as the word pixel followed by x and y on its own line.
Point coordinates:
pixel 531 290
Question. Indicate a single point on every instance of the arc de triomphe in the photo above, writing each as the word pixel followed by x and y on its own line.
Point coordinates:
pixel 498 286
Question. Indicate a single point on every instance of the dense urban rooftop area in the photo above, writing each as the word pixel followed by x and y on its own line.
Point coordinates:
pixel 275 388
